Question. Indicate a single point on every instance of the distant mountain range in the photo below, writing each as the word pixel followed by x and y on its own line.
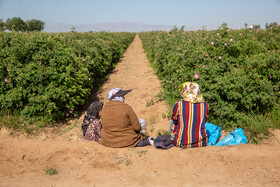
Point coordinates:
pixel 108 27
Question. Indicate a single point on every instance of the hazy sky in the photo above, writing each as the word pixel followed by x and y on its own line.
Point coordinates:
pixel 191 13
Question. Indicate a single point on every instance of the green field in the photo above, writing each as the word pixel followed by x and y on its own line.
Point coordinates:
pixel 238 72
pixel 47 76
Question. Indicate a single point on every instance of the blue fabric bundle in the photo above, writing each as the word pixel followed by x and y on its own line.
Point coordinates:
pixel 213 132
pixel 236 137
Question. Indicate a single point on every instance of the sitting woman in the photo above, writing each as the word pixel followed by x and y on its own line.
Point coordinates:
pixel 189 117
pixel 91 126
pixel 121 127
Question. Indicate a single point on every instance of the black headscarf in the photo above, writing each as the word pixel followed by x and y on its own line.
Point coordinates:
pixel 92 114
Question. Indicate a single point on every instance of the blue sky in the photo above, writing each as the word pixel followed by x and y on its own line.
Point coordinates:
pixel 191 13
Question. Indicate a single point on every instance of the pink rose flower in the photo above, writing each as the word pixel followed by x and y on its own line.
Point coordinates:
pixel 225 44
pixel 251 26
pixel 196 76
pixel 218 34
pixel 70 111
pixel 89 79
pixel 230 40
pixel 220 57
pixel 212 43
pixel 6 80
pixel 22 125
pixel 67 114
pixel 203 66
pixel 84 59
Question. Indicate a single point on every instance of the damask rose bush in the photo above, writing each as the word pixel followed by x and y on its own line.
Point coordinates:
pixel 48 75
pixel 237 70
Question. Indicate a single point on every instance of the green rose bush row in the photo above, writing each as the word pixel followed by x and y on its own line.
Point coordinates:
pixel 48 75
pixel 238 70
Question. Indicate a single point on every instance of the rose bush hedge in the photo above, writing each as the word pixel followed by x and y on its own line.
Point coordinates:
pixel 238 70
pixel 47 75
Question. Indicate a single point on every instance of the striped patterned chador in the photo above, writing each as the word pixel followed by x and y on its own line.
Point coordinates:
pixel 188 126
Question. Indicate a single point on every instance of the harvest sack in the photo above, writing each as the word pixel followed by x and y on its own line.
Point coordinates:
pixel 236 137
pixel 213 133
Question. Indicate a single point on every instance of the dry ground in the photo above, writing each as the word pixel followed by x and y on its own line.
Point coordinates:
pixel 23 159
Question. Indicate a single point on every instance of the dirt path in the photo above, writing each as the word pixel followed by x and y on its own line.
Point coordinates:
pixel 79 163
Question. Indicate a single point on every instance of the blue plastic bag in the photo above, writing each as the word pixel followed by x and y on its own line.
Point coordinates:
pixel 213 132
pixel 236 137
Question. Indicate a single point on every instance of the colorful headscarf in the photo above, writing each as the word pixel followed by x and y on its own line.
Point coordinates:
pixel 190 92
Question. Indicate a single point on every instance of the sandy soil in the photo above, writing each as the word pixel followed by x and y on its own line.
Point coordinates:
pixel 23 159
